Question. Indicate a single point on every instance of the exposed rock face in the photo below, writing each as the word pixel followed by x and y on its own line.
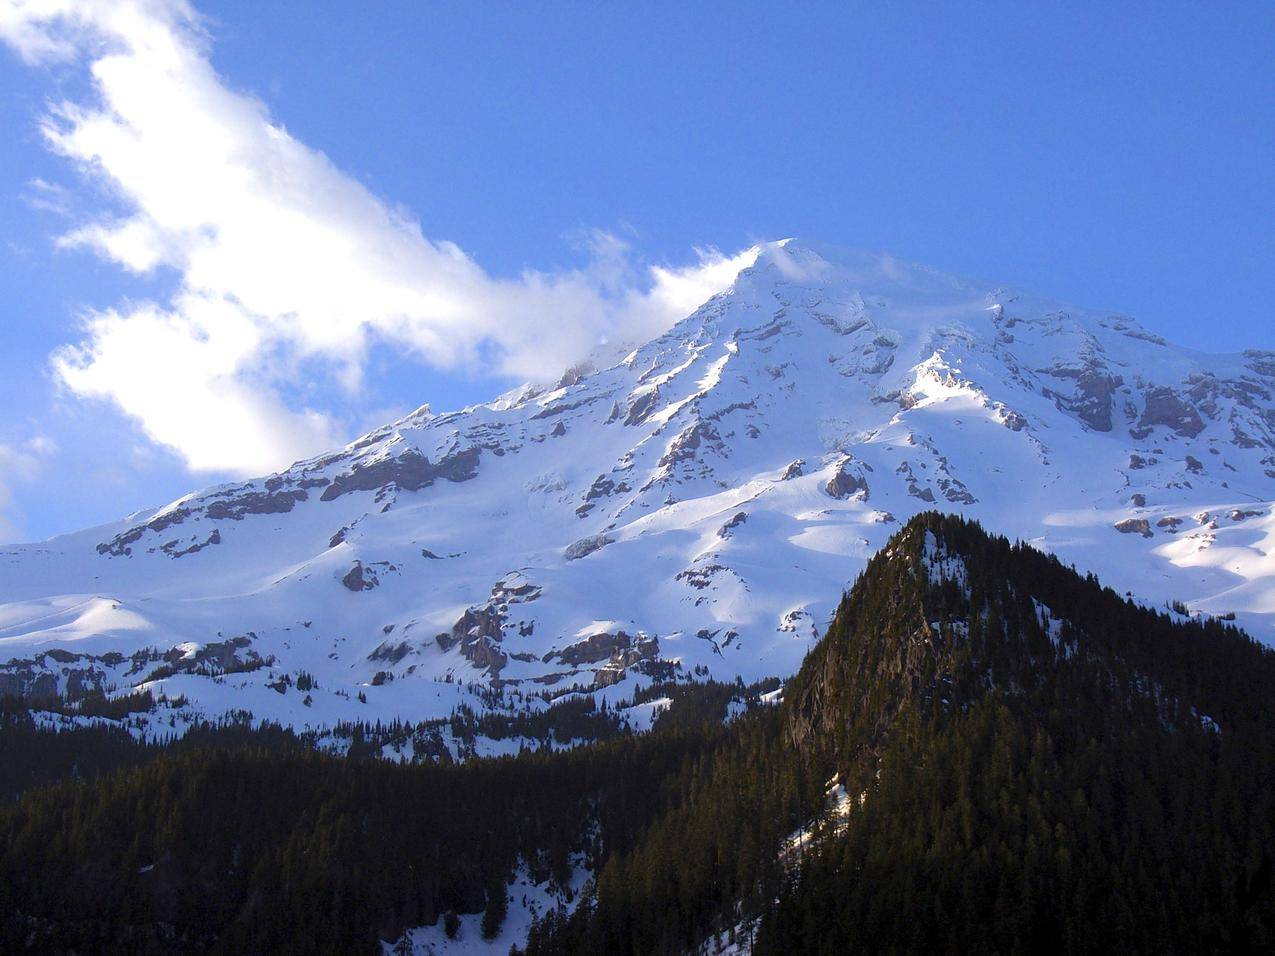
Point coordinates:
pixel 685 445
pixel 602 487
pixel 575 373
pixel 701 576
pixel 1091 401
pixel 591 650
pixel 485 653
pixel 409 471
pixel 1134 526
pixel 641 407
pixel 795 469
pixel 174 550
pixel 360 577
pixel 61 675
pixel 1165 407
pixel 231 504
pixel 31 680
pixel 560 408
pixel 256 503
pixel 1012 420
pixel 736 520
pixel 848 481
pixel 514 588
pixel 620 648
pixel 479 633
pixel 120 545
pixel 586 546
pixel 476 622
pixel 390 652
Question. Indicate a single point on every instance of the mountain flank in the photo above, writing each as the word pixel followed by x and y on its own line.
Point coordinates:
pixel 986 751
pixel 691 510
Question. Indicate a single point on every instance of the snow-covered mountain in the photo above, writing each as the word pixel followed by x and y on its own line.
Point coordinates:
pixel 696 509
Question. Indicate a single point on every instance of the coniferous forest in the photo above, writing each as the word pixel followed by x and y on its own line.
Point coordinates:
pixel 986 752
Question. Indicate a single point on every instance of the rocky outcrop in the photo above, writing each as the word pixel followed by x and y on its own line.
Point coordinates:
pixel 848 481
pixel 390 652
pixel 1134 526
pixel 618 648
pixel 256 503
pixel 1011 419
pixel 515 588
pixel 1090 401
pixel 795 469
pixel 360 577
pixel 476 622
pixel 174 549
pixel 586 546
pixel 277 495
pixel 1165 407
pixel 575 374
pixel 485 653
pixel 409 471
pixel 121 544
pixel 688 443
pixel 478 633
pixel 728 528
pixel 641 406
pixel 914 489
pixel 602 487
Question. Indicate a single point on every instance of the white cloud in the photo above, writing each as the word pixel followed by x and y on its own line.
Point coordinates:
pixel 47 197
pixel 284 261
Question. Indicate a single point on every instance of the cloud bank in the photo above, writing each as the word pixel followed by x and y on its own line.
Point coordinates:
pixel 285 264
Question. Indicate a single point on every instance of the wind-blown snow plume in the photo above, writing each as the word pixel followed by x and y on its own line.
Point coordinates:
pixel 283 262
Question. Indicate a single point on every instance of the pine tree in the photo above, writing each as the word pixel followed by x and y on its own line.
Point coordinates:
pixel 497 906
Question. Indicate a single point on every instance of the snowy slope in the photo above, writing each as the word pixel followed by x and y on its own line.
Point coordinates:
pixel 696 508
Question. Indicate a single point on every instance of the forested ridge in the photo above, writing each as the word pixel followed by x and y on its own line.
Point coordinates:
pixel 1033 763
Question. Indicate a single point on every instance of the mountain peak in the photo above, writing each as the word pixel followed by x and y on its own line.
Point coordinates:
pixel 689 509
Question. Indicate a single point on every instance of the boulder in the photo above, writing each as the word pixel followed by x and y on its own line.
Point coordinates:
pixel 1135 526
pixel 586 546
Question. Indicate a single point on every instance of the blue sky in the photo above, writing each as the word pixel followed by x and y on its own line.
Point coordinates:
pixel 272 225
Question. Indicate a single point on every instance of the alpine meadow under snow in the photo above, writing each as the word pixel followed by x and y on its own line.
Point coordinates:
pixel 692 509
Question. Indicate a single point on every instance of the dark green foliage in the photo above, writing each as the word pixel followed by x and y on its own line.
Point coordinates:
pixel 1096 777
pixel 497 906
pixel 261 844
pixel 32 757
pixel 1027 786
